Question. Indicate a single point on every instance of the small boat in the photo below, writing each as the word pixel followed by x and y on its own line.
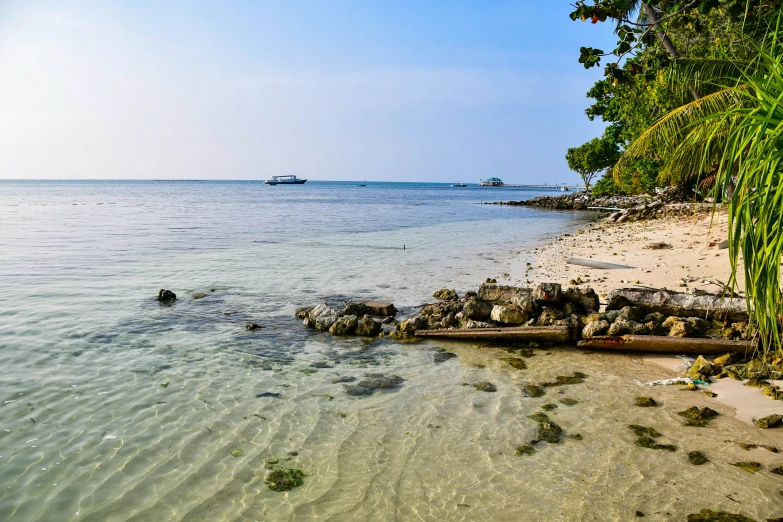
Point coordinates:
pixel 563 189
pixel 459 184
pixel 285 180
pixel 362 184
pixel 491 182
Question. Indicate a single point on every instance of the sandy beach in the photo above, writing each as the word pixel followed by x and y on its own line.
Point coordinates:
pixel 690 260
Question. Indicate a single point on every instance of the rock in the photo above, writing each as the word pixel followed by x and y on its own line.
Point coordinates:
pixel 677 327
pixel 750 467
pixel 519 364
pixel 727 359
pixel 524 301
pixel 508 315
pixel 166 296
pixel 698 417
pixel 624 326
pixel 367 326
pixel 344 325
pixel 525 449
pixel 595 328
pixel 379 380
pixel 654 317
pixel 446 295
pixel 585 299
pixel 485 386
pixel 343 379
pixel 548 293
pixel 322 317
pixel 680 304
pixel 533 390
pixel 357 309
pixel 769 422
pixel 501 293
pixel 356 391
pixel 199 295
pixel 568 401
pixel 548 431
pixel 702 367
pixel 478 324
pixel 490 281
pixel 443 356
pixel 449 321
pixel 698 324
pixel 707 515
pixel 252 327
pixel 697 458
pixel 646 402
pixel 302 313
pixel 549 315
pixel 477 309
pixel 631 313
pixel 380 308
pixel 410 325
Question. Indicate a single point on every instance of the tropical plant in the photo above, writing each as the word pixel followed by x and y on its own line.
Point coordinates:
pixel 735 135
pixel 591 158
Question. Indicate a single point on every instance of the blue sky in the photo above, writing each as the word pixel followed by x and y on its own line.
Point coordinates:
pixel 341 90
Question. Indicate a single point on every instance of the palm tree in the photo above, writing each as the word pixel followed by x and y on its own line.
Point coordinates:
pixel 736 134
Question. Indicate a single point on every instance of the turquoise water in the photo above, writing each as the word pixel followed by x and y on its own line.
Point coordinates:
pixel 117 408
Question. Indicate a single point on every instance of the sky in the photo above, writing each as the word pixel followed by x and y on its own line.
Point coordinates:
pixel 399 90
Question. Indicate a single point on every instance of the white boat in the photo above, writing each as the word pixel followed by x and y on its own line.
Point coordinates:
pixel 459 184
pixel 285 180
pixel 563 189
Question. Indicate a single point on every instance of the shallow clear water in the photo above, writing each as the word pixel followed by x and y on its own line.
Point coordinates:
pixel 117 408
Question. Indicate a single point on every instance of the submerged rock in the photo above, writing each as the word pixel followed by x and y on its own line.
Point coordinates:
pixel 519 364
pixel 698 417
pixel 379 380
pixel 750 467
pixel 443 356
pixel 549 407
pixel 769 421
pixel 252 327
pixel 548 431
pixel 707 515
pixel 485 386
pixel 568 401
pixel 343 379
pixel 562 380
pixel 697 458
pixel 646 402
pixel 199 295
pixel 166 296
pixel 646 438
pixel 525 449
pixel 640 430
pixel 533 390
pixel 284 479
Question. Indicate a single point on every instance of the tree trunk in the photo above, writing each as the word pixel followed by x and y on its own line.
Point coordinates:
pixel 664 38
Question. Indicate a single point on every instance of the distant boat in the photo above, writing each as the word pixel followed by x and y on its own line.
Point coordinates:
pixel 362 184
pixel 459 184
pixel 491 182
pixel 285 180
pixel 563 189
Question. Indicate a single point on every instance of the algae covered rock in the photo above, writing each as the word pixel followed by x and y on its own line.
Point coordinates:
pixel 446 294
pixel 677 327
pixel 284 479
pixel 548 431
pixel 698 417
pixel 769 421
pixel 533 390
pixel 549 407
pixel 594 328
pixel 525 449
pixel 697 458
pixel 568 401
pixel 344 325
pixel 508 315
pixel 646 402
pixel 519 364
pixel 727 359
pixel 646 438
pixel 623 326
pixel 410 325
pixel 379 380
pixel 702 367
pixel 562 380
pixel 707 515
pixel 640 430
pixel 750 467
pixel 443 356
pixel 485 386
pixel 367 326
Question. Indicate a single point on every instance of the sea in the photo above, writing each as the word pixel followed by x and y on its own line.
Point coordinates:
pixel 116 407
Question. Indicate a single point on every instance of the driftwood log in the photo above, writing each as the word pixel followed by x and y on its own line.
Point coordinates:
pixel 733 309
pixel 662 344
pixel 553 334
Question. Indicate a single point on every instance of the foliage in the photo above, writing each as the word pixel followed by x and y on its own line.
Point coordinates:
pixel 605 186
pixel 591 158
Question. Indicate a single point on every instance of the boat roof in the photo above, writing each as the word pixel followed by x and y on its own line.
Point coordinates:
pixel 494 179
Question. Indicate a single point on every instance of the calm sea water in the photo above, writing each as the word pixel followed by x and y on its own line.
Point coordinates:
pixel 114 407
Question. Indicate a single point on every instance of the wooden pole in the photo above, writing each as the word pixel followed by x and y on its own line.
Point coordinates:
pixel 555 334
pixel 663 344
